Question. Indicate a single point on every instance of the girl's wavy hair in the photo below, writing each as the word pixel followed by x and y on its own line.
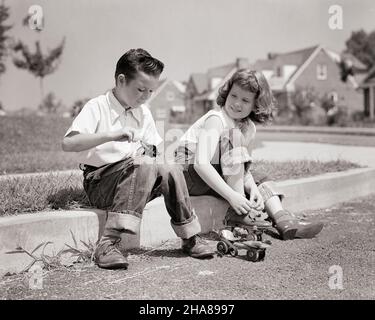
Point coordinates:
pixel 255 82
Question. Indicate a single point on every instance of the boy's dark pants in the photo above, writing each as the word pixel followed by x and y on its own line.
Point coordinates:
pixel 123 189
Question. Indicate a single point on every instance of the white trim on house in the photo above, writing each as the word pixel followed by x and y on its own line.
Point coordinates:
pixel 179 86
pixel 303 67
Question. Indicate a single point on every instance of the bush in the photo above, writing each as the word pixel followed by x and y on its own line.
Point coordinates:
pixel 50 104
pixel 307 106
pixel 338 116
pixel 77 106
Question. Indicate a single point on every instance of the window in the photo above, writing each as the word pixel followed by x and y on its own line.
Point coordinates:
pixel 279 72
pixel 321 72
pixel 334 96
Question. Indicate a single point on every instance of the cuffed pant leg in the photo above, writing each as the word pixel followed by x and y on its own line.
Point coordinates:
pixel 121 222
pixel 176 197
pixel 188 228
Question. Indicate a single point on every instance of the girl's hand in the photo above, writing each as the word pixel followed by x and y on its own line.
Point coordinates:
pixel 256 199
pixel 240 204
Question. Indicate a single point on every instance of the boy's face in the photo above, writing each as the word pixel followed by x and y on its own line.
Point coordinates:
pixel 136 92
pixel 239 103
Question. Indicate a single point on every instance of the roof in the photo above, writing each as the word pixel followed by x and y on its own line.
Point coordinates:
pixel 266 64
pixel 200 82
pixel 221 71
pixel 299 58
pixel 162 83
pixel 211 94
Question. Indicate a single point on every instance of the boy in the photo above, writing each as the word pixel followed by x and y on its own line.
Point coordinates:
pixel 110 133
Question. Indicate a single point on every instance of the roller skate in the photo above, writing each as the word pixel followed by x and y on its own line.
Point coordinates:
pixel 253 224
pixel 244 232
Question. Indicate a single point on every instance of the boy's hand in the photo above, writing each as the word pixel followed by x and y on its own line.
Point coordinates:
pixel 125 134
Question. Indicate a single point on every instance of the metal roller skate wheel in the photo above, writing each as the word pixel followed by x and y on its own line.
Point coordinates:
pixel 233 251
pixel 262 254
pixel 252 255
pixel 222 247
pixel 252 236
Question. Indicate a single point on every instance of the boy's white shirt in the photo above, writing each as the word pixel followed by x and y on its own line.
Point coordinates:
pixel 105 114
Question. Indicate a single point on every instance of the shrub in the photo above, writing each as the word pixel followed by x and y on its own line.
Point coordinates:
pixel 339 116
pixel 77 106
pixel 307 106
pixel 50 104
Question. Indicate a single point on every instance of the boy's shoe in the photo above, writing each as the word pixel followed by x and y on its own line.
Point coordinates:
pixel 290 227
pixel 196 247
pixel 108 256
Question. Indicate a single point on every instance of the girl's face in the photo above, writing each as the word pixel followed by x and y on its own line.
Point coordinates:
pixel 239 103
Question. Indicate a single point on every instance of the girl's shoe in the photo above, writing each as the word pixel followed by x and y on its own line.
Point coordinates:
pixel 290 227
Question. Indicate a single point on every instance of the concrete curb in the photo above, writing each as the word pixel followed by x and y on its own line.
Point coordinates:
pixel 364 131
pixel 314 129
pixel 29 230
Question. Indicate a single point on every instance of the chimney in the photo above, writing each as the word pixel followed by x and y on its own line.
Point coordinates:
pixel 271 55
pixel 242 63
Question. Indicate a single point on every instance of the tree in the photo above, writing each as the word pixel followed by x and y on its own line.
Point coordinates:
pixel 4 15
pixel 37 63
pixel 362 46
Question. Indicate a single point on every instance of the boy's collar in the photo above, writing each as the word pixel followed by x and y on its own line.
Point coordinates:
pixel 117 109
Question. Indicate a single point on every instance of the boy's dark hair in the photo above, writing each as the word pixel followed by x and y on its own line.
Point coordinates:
pixel 136 60
pixel 255 82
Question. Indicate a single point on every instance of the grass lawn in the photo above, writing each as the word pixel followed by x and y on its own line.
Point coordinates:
pixel 52 192
pixel 33 144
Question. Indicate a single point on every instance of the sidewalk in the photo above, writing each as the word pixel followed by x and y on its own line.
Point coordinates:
pixel 285 151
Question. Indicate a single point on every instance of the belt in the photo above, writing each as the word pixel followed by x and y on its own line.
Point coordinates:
pixel 87 168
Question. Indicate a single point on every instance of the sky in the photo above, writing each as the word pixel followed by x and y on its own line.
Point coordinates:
pixel 189 36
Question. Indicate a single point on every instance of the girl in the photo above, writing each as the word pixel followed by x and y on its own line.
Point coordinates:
pixel 216 152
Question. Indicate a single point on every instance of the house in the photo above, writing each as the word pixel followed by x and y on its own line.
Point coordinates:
pixel 2 111
pixel 168 102
pixel 368 87
pixel 315 67
pixel 318 68
pixel 202 88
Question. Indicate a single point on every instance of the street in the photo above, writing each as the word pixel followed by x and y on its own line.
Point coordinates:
pixel 338 264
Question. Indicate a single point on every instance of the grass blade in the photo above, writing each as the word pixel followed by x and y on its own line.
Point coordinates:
pixel 74 239
pixel 37 247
